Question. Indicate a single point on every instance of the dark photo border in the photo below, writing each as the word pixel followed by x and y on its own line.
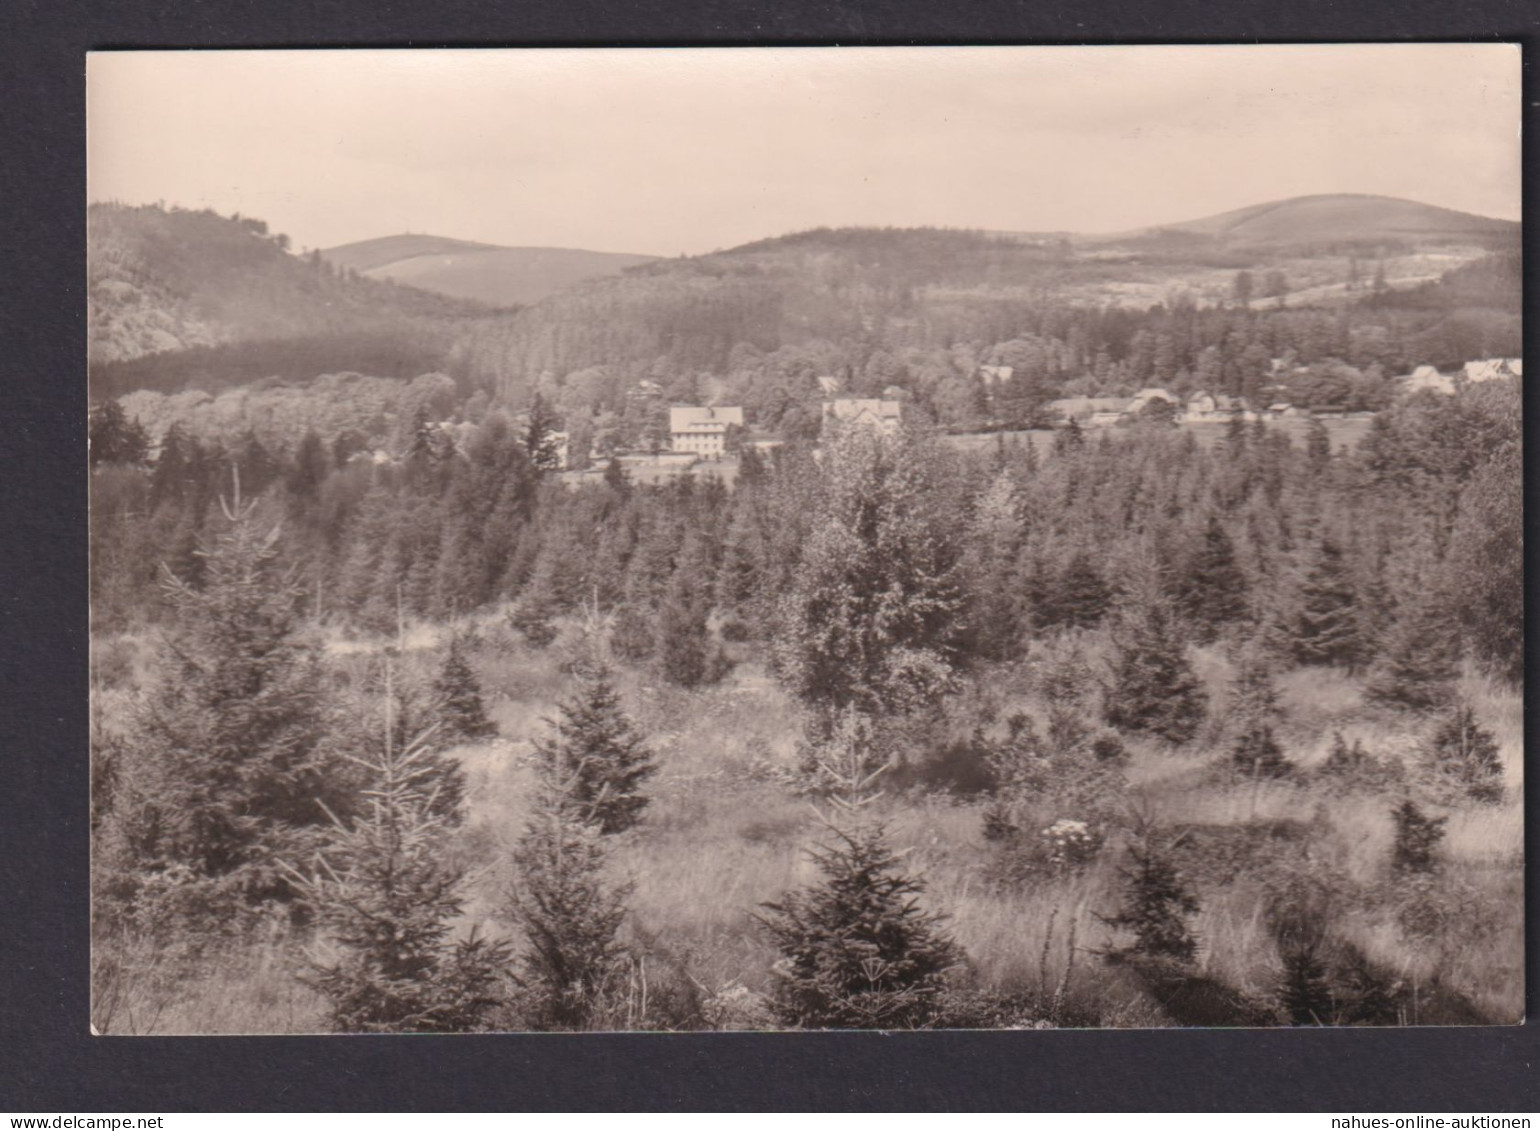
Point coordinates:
pixel 48 1060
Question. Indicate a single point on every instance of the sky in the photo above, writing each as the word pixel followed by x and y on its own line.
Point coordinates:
pixel 687 150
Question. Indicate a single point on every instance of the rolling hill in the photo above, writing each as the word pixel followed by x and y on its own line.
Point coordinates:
pixel 178 297
pixel 497 276
pixel 1339 218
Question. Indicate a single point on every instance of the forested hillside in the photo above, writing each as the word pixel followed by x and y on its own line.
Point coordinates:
pixel 177 297
pixel 922 310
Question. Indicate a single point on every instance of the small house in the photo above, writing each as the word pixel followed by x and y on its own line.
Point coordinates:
pixel 883 415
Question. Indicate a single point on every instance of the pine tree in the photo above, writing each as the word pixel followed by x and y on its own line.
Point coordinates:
pixel 1213 589
pixel 1305 993
pixel 1317 444
pixel 382 891
pixel 599 754
pixel 569 915
pixel 1415 667
pixel 462 715
pixel 1326 630
pixel 1078 597
pixel 540 443
pixel 1417 839
pixel 1156 906
pixel 227 749
pixel 871 616
pixel 1154 689
pixel 857 950
pixel 1256 753
pixel 1467 753
pixel 114 438
pixel 688 655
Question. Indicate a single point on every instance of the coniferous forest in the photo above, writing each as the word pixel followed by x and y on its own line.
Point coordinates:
pixel 992 721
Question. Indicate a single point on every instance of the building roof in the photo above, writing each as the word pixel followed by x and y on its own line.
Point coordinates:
pixel 699 418
pixel 1072 407
pixel 850 408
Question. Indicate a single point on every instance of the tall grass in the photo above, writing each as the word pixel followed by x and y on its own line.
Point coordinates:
pixel 724 833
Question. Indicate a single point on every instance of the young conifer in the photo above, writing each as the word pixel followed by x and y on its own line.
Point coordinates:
pixel 1467 752
pixel 1214 588
pixel 1326 629
pixel 599 755
pixel 382 890
pixel 857 949
pixel 226 753
pixel 1154 689
pixel 1416 664
pixel 462 714
pixel 1156 906
pixel 1417 838
pixel 569 915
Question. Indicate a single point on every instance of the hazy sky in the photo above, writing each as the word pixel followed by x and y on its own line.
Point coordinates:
pixel 686 150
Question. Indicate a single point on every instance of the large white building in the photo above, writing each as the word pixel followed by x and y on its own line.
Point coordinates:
pixel 702 430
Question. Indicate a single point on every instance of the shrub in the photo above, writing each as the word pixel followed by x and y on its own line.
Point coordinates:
pixel 532 620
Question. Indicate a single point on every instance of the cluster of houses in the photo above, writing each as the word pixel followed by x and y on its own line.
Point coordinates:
pixel 1426 377
pixel 1200 408
pixel 712 432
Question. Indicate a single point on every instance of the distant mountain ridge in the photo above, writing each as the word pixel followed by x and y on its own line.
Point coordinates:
pixel 482 272
pixel 1335 218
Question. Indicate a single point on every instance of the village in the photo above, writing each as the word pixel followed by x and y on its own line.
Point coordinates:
pixel 709 439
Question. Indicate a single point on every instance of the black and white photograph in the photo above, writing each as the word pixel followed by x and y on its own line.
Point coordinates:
pixel 805 538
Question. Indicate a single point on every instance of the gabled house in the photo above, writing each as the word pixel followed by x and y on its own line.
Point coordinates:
pixel 995 374
pixel 883 415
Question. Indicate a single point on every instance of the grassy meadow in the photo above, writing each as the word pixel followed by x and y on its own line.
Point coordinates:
pixel 728 829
